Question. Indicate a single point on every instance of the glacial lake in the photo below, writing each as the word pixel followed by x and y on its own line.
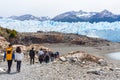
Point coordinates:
pixel 115 55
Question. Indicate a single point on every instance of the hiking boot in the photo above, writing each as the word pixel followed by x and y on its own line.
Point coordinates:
pixel 8 71
pixel 18 70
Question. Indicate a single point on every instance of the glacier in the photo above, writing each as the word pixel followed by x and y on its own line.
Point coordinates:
pixel 104 30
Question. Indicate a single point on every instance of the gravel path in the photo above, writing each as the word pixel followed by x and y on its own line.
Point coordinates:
pixel 64 70
pixel 61 71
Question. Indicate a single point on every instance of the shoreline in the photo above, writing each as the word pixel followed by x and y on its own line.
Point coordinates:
pixel 99 51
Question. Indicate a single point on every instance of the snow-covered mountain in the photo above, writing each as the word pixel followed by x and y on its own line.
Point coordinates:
pixel 44 18
pixel 105 30
pixel 28 17
pixel 82 16
pixel 74 16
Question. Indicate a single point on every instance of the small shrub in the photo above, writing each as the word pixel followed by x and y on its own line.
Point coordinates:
pixel 13 34
pixel 8 30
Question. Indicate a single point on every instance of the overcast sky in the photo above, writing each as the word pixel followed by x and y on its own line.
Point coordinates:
pixel 52 8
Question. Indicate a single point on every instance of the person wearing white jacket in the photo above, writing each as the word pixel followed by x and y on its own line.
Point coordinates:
pixel 18 57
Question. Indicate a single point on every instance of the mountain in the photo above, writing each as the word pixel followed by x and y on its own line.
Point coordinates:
pixel 104 16
pixel 24 17
pixel 44 18
pixel 28 17
pixel 82 16
pixel 74 16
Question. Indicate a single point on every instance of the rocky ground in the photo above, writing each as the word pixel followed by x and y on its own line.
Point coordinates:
pixel 62 70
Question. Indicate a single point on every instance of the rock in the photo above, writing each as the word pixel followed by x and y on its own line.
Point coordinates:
pixel 118 69
pixel 80 56
pixel 2 70
pixel 1 57
pixel 95 71
pixel 3 42
pixel 2 54
pixel 102 62
pixel 111 69
pixel 63 59
pixel 37 47
pixel 73 59
pixel 36 62
pixel 114 69
pixel 21 46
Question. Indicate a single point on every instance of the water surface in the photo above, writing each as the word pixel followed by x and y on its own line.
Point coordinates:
pixel 115 55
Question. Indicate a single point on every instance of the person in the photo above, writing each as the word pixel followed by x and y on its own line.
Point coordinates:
pixel 46 57
pixel 9 56
pixel 56 54
pixel 18 57
pixel 52 56
pixel 41 55
pixel 32 55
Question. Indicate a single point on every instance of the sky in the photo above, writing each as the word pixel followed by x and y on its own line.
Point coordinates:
pixel 52 8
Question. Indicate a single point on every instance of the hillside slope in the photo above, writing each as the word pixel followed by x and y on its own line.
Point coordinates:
pixel 50 37
pixel 11 36
pixel 55 37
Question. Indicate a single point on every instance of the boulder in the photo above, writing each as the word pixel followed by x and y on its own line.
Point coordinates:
pixel 3 42
pixel 21 46
pixel 97 71
pixel 63 59
pixel 102 62
pixel 73 59
pixel 82 56
pixel 2 70
pixel 37 47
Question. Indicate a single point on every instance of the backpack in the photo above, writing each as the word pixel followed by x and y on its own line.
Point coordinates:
pixel 9 52
pixel 32 53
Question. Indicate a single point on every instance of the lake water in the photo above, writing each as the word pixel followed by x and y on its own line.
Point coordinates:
pixel 115 55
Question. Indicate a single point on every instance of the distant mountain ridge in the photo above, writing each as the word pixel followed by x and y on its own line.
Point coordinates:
pixel 28 17
pixel 82 16
pixel 73 16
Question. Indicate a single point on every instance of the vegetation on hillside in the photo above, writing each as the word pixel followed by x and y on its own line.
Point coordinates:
pixel 8 34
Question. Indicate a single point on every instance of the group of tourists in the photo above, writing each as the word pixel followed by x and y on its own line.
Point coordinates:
pixel 17 56
pixel 43 56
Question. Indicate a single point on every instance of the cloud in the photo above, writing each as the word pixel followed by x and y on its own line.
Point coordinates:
pixel 54 7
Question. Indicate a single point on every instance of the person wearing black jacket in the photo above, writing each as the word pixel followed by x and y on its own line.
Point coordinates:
pixel 32 55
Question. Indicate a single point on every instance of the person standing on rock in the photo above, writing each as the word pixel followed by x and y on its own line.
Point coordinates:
pixel 9 56
pixel 18 57
pixel 32 55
